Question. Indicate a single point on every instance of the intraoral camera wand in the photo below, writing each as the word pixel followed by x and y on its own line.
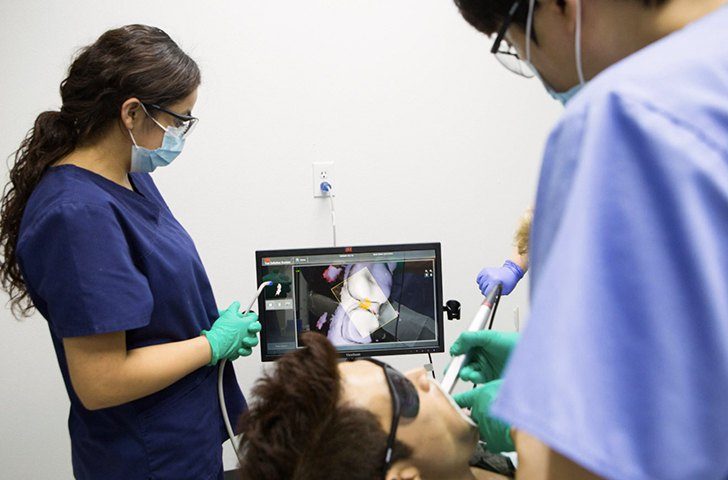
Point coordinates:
pixel 486 311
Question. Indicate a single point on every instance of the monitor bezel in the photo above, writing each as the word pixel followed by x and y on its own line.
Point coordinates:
pixel 436 246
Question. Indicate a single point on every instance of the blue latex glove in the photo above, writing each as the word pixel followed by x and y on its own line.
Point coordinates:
pixel 495 433
pixel 489 351
pixel 508 275
pixel 233 334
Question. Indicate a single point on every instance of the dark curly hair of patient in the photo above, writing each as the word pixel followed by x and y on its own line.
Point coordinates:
pixel 297 427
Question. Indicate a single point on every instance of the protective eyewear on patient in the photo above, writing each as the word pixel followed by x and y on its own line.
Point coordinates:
pixel 182 124
pixel 506 53
pixel 405 403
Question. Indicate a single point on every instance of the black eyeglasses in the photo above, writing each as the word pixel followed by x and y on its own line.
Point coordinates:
pixel 184 123
pixel 508 56
pixel 405 403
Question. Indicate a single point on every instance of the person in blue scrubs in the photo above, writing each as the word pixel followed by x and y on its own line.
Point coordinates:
pixel 622 371
pixel 91 244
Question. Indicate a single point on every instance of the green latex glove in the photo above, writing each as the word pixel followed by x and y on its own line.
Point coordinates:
pixel 246 348
pixel 495 434
pixel 489 351
pixel 233 334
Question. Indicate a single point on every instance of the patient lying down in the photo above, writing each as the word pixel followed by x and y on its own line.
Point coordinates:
pixel 315 417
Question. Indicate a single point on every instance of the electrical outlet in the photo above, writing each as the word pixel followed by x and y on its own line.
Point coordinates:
pixel 322 172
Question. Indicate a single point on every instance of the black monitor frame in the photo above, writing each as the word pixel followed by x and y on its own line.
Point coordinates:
pixel 261 254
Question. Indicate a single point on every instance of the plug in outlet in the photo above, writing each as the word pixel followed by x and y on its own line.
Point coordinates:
pixel 322 172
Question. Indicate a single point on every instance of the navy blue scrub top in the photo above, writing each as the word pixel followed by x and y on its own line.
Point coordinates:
pixel 98 258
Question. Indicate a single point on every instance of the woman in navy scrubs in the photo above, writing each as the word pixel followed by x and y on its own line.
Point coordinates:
pixel 91 244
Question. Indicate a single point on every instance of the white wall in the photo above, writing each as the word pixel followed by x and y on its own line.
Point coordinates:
pixel 433 141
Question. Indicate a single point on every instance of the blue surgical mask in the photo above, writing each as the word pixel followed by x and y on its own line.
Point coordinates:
pixel 146 160
pixel 562 97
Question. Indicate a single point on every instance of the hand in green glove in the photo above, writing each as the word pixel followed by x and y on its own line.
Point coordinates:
pixel 489 351
pixel 246 348
pixel 495 433
pixel 233 334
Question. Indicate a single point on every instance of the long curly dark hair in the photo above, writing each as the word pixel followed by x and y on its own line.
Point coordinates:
pixel 131 61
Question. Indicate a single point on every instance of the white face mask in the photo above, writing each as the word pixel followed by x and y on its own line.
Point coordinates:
pixel 562 97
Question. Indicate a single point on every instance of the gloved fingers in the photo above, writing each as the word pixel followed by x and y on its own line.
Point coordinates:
pixel 485 286
pixel 466 399
pixel 465 372
pixel 250 316
pixel 471 373
pixel 484 274
pixel 254 327
pixel 250 341
pixel 245 351
pixel 481 396
pixel 234 307
pixel 478 377
pixel 468 340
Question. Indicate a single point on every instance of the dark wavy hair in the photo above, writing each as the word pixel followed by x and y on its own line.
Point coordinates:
pixel 488 15
pixel 297 429
pixel 132 61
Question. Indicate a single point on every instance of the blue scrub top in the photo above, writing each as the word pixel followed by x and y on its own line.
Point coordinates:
pixel 99 258
pixel 623 366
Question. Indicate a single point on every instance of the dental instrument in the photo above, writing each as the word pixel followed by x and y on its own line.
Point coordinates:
pixel 220 393
pixel 480 322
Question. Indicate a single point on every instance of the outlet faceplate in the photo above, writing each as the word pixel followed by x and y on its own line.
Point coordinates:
pixel 322 172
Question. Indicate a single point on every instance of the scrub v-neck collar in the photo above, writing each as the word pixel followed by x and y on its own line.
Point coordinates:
pixel 138 194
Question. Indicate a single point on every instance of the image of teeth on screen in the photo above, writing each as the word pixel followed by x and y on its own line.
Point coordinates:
pixel 362 303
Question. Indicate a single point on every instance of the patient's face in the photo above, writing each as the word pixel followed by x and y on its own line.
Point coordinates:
pixel 438 435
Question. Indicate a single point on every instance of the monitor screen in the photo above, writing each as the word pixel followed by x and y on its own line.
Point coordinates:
pixel 376 300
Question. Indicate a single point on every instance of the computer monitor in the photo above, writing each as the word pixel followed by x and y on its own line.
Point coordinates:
pixel 369 301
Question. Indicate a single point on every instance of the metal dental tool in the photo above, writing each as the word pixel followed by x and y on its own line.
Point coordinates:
pixel 480 322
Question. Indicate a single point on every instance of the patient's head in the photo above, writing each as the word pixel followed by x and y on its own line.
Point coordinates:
pixel 314 417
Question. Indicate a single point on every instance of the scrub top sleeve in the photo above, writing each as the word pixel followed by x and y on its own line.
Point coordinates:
pixel 623 366
pixel 77 260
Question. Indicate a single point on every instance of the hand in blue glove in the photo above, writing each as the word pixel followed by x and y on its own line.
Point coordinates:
pixel 495 433
pixel 489 351
pixel 233 334
pixel 508 275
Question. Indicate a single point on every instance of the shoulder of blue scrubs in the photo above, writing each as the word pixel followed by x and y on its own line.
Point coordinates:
pixel 77 263
pixel 64 184
pixel 623 366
